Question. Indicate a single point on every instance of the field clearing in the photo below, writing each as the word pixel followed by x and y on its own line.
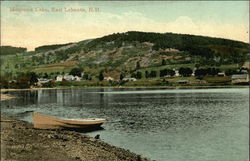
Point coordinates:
pixel 192 66
pixel 175 79
pixel 217 79
pixel 172 66
pixel 52 69
pixel 63 64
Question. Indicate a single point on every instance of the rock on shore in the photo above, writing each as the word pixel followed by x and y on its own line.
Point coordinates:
pixel 20 141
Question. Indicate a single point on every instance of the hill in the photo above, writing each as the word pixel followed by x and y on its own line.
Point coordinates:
pixel 50 47
pixel 131 51
pixel 7 50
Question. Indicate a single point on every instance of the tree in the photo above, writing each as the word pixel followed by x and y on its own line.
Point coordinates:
pixel 85 76
pixel 153 74
pixel 101 77
pixel 138 65
pixel 146 74
pixel 76 72
pixel 45 75
pixel 200 73
pixel 163 62
pixel 197 66
pixel 33 78
pixel 163 72
pixel 213 71
pixel 23 81
pixel 185 72
pixel 138 75
pixel 170 72
pixel 122 75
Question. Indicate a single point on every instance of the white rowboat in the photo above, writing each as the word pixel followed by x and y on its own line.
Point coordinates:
pixel 46 122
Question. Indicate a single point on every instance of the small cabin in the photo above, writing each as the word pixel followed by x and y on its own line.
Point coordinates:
pixel 182 81
pixel 129 79
pixel 221 74
pixel 240 78
pixel 59 78
pixel 42 81
pixel 108 78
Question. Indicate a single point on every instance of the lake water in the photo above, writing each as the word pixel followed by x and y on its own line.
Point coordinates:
pixel 161 124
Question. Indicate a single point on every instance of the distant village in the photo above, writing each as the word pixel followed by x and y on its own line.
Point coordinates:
pixel 242 77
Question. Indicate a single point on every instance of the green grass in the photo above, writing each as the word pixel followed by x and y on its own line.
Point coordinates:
pixel 217 80
pixel 172 66
pixel 52 69
pixel 192 66
pixel 83 83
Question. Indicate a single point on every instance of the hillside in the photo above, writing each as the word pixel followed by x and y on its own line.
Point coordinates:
pixel 50 47
pixel 126 52
pixel 8 50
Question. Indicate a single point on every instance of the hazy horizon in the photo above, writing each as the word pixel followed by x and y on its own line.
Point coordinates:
pixel 33 24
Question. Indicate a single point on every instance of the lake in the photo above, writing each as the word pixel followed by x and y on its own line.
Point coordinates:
pixel 161 124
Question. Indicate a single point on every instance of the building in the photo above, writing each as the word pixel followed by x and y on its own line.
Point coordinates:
pixel 240 79
pixel 42 81
pixel 129 79
pixel 246 65
pixel 221 74
pixel 76 78
pixel 60 78
pixel 176 73
pixel 108 78
pixel 182 81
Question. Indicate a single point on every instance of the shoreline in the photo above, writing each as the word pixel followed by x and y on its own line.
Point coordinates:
pixel 128 87
pixel 20 141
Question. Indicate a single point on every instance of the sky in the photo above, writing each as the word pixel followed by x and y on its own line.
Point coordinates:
pixel 34 23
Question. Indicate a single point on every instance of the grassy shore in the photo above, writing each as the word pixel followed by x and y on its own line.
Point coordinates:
pixel 123 87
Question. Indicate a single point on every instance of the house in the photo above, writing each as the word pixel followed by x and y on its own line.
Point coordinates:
pixel 200 81
pixel 244 71
pixel 129 79
pixel 108 78
pixel 177 73
pixel 59 78
pixel 240 79
pixel 246 65
pixel 42 81
pixel 76 78
pixel 221 74
pixel 182 81
pixel 67 77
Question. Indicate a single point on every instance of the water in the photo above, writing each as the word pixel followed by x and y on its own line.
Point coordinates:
pixel 162 124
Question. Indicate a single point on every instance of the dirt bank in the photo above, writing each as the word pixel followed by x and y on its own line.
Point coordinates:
pixel 20 141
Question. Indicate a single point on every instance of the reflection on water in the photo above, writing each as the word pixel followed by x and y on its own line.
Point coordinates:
pixel 174 125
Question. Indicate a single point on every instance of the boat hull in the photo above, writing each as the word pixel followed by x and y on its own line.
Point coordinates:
pixel 46 122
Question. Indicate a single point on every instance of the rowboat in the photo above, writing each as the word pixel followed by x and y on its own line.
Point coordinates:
pixel 47 122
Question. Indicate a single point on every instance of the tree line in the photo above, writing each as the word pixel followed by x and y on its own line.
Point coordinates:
pixel 7 50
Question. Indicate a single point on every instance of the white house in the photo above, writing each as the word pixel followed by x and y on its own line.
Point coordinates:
pixel 177 73
pixel 129 79
pixel 59 78
pixel 42 81
pixel 221 74
pixel 108 78
pixel 76 78
pixel 67 77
